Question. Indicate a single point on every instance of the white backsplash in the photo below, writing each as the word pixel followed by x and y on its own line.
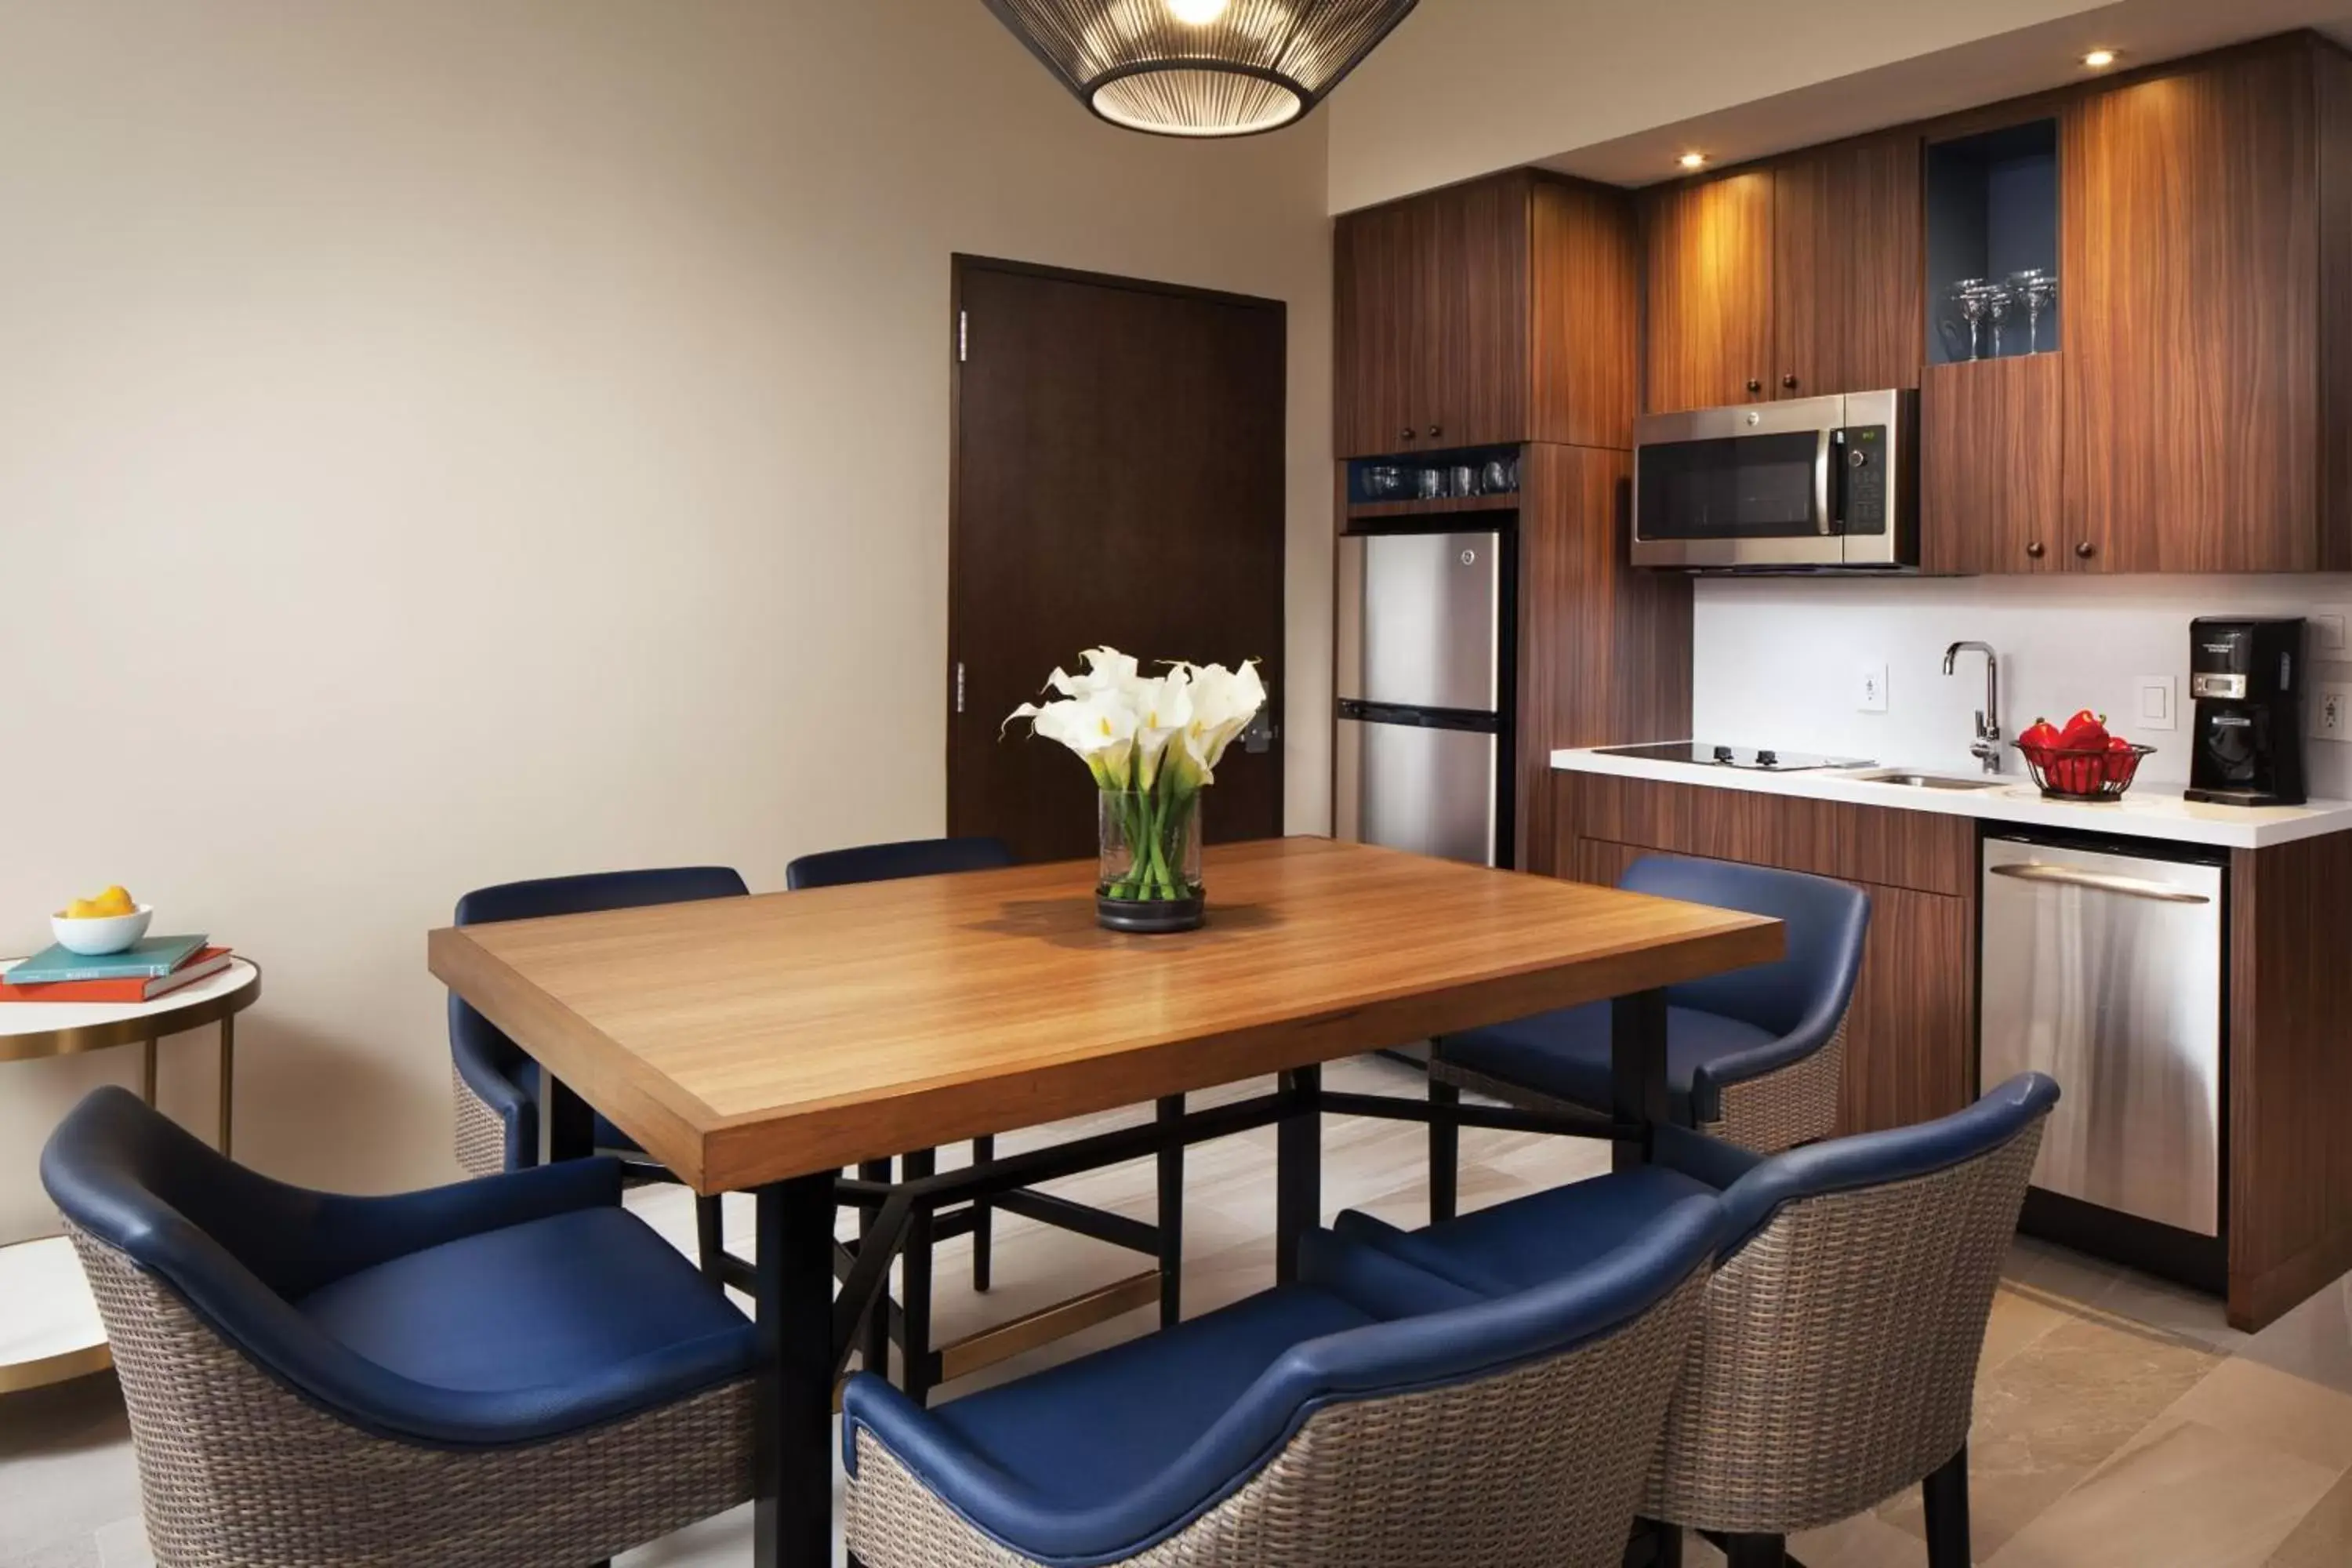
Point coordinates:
pixel 1780 660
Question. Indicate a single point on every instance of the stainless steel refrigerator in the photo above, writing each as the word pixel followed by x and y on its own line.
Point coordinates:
pixel 1423 751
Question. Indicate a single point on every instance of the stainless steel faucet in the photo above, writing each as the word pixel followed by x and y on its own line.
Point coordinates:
pixel 1987 749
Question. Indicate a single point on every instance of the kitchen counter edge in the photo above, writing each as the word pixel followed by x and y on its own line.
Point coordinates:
pixel 2151 813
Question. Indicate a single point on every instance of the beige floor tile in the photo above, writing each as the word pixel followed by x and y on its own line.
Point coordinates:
pixel 2324 1537
pixel 2195 1498
pixel 2054 1413
pixel 1865 1541
pixel 2019 1318
pixel 2246 1398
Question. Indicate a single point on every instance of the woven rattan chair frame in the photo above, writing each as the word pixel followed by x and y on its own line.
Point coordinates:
pixel 237 1471
pixel 481 1137
pixel 1540 1464
pixel 1767 1115
pixel 1836 1364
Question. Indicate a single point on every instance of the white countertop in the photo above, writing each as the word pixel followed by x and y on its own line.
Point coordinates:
pixel 2147 812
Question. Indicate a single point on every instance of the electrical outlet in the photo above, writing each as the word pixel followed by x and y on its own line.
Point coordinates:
pixel 2156 706
pixel 2327 630
pixel 1871 695
pixel 2331 711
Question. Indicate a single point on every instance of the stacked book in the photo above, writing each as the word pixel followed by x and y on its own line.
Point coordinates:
pixel 154 967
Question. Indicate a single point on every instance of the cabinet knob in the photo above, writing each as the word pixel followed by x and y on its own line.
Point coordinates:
pixel 2034 548
pixel 1755 385
pixel 1790 381
pixel 2083 552
pixel 1435 431
pixel 1405 434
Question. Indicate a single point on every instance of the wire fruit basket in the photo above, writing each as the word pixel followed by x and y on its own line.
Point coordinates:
pixel 2083 773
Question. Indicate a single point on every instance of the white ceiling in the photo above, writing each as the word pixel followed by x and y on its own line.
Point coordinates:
pixel 2027 60
pixel 1615 90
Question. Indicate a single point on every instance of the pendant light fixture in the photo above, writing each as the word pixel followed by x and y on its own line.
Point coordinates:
pixel 1200 68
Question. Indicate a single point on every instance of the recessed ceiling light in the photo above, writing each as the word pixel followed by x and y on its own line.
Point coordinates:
pixel 1693 160
pixel 2099 60
pixel 1199 13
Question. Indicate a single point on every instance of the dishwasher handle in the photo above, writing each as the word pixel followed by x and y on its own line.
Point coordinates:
pixel 2098 882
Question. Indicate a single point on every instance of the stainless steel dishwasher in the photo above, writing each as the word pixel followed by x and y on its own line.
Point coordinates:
pixel 2103 967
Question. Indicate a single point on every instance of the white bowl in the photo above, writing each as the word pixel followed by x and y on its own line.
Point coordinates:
pixel 108 933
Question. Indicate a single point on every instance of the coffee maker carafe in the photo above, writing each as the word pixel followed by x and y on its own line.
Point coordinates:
pixel 2246 676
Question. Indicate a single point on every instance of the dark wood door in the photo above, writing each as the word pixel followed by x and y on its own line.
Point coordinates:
pixel 1117 479
pixel 1708 248
pixel 2189 261
pixel 1474 340
pixel 1380 286
pixel 1847 268
pixel 1991 437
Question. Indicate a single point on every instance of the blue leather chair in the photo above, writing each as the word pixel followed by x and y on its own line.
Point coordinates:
pixel 1371 1413
pixel 511 1370
pixel 496 1082
pixel 1753 1057
pixel 1837 1364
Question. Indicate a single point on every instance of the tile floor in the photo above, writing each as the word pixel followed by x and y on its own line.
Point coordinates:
pixel 2118 1420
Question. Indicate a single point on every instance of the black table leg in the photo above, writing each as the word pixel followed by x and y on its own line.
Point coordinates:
pixel 1298 1171
pixel 792 1479
pixel 874 1335
pixel 1637 1071
pixel 567 1125
pixel 1170 1115
pixel 915 1361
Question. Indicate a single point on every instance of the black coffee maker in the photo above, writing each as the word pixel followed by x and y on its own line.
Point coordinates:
pixel 2247 677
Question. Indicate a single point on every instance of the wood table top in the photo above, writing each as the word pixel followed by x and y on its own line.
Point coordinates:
pixel 745 1040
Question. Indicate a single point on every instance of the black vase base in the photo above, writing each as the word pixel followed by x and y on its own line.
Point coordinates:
pixel 1150 917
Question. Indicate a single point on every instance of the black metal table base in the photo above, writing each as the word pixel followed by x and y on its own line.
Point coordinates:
pixel 808 1330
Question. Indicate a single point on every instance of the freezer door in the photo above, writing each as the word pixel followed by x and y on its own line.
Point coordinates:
pixel 1429 791
pixel 1420 618
pixel 2104 971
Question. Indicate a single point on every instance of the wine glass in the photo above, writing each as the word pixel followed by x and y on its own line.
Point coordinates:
pixel 1969 295
pixel 2039 289
pixel 1997 303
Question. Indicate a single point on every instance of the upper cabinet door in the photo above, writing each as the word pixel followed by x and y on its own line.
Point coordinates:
pixel 1709 267
pixel 1475 380
pixel 1847 268
pixel 1379 318
pixel 2190 261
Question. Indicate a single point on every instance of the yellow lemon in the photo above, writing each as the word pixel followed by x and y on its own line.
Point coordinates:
pixel 116 901
pixel 84 910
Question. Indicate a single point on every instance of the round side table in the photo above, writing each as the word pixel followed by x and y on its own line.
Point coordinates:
pixel 49 1329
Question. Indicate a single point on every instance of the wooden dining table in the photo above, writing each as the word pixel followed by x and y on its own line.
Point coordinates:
pixel 763 1043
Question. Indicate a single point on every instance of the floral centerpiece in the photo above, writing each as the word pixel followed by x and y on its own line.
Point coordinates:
pixel 1153 744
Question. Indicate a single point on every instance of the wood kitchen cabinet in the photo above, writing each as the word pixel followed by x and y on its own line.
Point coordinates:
pixel 1790 280
pixel 1991 466
pixel 2207 271
pixel 1911 1028
pixel 1490 313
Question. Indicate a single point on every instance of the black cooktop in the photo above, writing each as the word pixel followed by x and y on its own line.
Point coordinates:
pixel 1704 754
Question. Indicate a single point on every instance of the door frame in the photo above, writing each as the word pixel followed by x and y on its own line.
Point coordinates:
pixel 961 265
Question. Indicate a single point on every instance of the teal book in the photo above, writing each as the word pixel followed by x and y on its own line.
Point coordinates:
pixel 150 960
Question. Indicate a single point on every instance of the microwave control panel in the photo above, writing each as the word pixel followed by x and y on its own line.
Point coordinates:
pixel 1863 479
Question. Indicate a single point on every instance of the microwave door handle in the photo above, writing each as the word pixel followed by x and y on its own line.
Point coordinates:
pixel 1825 517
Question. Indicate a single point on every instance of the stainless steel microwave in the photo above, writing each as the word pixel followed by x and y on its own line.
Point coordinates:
pixel 1811 484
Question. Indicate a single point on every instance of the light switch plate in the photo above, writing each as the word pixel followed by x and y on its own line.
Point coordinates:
pixel 2155 703
pixel 1870 692
pixel 2327 630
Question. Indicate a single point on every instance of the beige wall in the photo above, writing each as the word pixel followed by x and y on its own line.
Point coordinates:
pixel 1466 87
pixel 444 441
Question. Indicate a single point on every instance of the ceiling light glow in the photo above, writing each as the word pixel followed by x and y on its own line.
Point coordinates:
pixel 1199 13
pixel 2099 60
pixel 1693 160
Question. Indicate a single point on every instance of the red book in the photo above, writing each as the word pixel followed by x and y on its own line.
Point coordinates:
pixel 202 962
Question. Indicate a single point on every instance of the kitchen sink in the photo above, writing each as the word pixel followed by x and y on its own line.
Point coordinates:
pixel 1932 781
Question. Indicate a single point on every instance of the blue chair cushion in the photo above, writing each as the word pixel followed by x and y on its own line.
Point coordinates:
pixel 1565 1054
pixel 1106 1423
pixel 538 1305
pixel 1530 1240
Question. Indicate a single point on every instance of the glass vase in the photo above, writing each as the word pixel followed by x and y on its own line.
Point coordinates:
pixel 1150 876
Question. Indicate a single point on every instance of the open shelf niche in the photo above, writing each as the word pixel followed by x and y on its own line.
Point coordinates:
pixel 1992 212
